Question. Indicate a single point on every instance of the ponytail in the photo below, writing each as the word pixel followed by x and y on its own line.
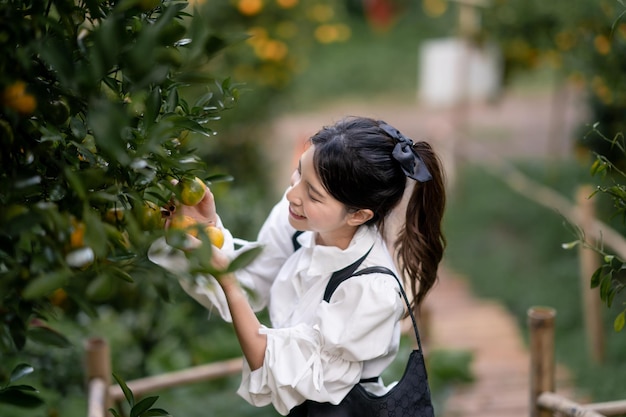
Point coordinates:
pixel 420 244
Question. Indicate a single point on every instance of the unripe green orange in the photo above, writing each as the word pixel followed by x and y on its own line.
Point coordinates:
pixel 192 191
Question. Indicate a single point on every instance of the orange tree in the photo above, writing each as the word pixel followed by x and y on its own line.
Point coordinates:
pixel 585 40
pixel 94 126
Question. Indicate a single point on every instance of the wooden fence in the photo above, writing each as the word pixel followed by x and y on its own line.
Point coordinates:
pixel 544 402
pixel 101 394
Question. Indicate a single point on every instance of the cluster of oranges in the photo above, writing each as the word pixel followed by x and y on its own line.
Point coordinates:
pixel 192 192
pixel 149 217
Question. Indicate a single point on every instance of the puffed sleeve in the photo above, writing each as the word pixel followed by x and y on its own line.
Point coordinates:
pixel 275 237
pixel 322 361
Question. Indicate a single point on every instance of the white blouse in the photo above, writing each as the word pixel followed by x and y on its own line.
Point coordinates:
pixel 315 350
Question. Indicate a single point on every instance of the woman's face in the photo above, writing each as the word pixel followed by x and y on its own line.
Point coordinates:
pixel 311 207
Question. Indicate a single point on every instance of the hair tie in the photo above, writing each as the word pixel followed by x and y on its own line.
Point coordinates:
pixel 412 164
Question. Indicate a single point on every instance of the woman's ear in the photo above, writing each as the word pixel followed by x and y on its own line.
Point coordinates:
pixel 360 216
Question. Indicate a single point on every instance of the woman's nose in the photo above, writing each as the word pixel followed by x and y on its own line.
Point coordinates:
pixel 293 193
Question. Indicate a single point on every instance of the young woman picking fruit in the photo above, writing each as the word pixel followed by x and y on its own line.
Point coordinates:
pixel 347 198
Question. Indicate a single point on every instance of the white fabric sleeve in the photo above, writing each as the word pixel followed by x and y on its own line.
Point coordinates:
pixel 323 361
pixel 275 238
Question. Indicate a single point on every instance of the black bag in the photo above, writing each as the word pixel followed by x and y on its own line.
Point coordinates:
pixel 410 397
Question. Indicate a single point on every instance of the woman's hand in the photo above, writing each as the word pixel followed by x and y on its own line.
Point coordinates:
pixel 203 213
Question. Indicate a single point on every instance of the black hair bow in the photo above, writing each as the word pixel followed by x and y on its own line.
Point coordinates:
pixel 404 152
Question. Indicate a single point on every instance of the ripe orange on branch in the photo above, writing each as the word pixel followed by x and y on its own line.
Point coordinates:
pixel 17 98
pixel 185 223
pixel 215 235
pixel 189 225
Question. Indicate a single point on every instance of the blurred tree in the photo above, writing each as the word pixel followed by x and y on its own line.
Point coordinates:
pixel 584 40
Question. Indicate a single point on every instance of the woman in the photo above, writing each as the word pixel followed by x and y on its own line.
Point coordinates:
pixel 349 182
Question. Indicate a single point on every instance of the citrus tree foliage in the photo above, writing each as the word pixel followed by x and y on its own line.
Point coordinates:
pixel 94 129
pixel 280 33
pixel 585 40
pixel 610 277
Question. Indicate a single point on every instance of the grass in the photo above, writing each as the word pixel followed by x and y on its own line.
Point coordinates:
pixel 510 250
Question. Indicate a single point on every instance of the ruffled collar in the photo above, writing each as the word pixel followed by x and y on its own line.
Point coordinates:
pixel 325 260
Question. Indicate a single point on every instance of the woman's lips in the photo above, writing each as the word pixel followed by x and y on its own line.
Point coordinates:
pixel 295 215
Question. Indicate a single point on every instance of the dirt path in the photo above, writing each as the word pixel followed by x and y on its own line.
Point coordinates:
pixel 517 126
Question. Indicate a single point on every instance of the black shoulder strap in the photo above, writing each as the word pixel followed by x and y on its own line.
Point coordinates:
pixel 294 240
pixel 342 275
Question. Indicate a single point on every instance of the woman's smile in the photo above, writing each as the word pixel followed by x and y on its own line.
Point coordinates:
pixel 295 215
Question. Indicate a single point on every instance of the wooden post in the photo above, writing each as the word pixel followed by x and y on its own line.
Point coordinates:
pixel 589 262
pixel 542 366
pixel 98 376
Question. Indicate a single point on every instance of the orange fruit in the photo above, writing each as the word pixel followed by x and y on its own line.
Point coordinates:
pixel 215 235
pixel 57 111
pixel 249 7
pixel 185 223
pixel 149 215
pixel 17 98
pixel 77 237
pixel 58 297
pixel 192 191
pixel 114 215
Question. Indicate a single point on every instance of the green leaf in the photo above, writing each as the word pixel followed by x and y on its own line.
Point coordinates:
pixel 155 412
pixel 619 322
pixel 605 285
pixel 95 232
pixel 114 412
pixel 153 106
pixel 106 120
pixel 143 406
pixel 21 371
pixel 596 277
pixel 130 398
pixel 100 288
pixel 171 101
pixel 26 388
pixel 75 182
pixel 48 336
pixel 185 123
pixel 610 297
pixel 43 285
pixel 119 272
pixel 244 259
pixel 19 398
pixel 212 179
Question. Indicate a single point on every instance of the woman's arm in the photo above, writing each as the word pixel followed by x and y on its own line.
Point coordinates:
pixel 245 322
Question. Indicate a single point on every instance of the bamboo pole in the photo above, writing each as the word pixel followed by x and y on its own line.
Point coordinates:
pixel 547 197
pixel 97 398
pixel 608 408
pixel 554 402
pixel 542 367
pixel 98 376
pixel 589 262
pixel 142 386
